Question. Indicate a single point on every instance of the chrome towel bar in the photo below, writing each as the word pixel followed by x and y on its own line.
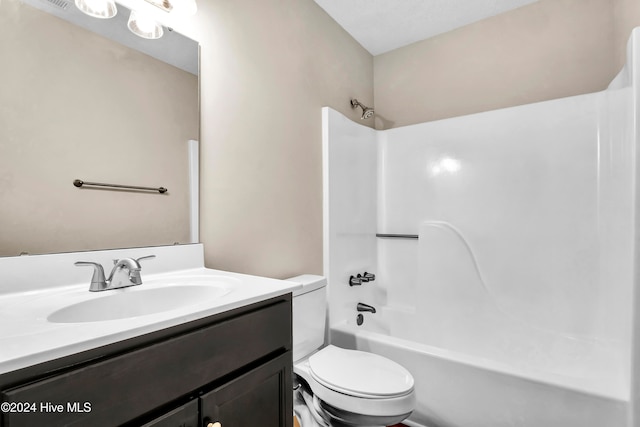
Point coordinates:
pixel 79 183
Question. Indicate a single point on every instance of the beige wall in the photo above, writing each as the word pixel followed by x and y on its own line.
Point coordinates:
pixel 268 67
pixel 626 17
pixel 76 105
pixel 546 50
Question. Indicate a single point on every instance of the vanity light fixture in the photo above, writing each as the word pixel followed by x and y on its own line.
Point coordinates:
pixel 102 9
pixel 143 26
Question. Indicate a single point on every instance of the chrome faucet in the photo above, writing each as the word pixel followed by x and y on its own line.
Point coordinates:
pixel 125 272
pixel 365 307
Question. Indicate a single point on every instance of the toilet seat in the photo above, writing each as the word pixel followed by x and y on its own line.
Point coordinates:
pixel 358 373
pixel 350 397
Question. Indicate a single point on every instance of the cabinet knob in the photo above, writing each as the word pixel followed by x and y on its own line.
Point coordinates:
pixel 216 424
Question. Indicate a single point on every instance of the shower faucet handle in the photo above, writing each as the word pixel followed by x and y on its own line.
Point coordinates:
pixel 361 278
pixel 366 277
pixel 355 281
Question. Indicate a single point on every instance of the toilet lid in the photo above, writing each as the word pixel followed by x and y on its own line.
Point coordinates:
pixel 359 373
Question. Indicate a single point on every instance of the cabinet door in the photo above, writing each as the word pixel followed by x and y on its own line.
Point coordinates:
pixel 262 397
pixel 184 416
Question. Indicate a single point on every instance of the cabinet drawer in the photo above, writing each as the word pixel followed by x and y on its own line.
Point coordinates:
pixel 124 387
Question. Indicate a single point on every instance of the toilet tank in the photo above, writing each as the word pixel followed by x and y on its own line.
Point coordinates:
pixel 309 314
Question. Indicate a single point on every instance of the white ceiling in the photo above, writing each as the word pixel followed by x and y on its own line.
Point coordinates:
pixel 384 25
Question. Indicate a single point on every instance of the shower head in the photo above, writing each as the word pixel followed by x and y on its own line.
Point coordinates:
pixel 366 111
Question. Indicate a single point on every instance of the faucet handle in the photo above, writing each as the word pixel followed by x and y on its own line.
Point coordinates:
pixel 145 257
pixel 134 274
pixel 98 281
pixel 130 263
pixel 369 276
pixel 355 281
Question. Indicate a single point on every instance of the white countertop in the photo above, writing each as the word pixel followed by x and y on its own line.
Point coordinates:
pixel 28 338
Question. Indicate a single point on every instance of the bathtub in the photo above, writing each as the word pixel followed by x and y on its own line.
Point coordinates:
pixel 455 389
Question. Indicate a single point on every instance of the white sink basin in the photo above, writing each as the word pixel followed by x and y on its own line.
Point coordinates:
pixel 139 301
pixel 47 311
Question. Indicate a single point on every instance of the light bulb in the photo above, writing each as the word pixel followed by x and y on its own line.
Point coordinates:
pixel 144 26
pixel 103 9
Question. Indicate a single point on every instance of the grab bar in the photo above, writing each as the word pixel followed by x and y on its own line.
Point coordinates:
pixel 397 236
pixel 79 183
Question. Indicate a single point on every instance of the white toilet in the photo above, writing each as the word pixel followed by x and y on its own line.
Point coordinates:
pixel 347 387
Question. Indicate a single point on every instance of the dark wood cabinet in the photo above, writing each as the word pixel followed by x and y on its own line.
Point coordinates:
pixel 234 368
pixel 261 397
pixel 186 415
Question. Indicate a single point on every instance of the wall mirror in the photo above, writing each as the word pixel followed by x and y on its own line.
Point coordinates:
pixel 77 104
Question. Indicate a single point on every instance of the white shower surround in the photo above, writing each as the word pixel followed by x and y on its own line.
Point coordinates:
pixel 518 292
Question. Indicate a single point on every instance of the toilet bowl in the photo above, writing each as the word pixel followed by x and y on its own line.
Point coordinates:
pixel 346 387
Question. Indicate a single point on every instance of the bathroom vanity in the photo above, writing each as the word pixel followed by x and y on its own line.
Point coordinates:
pixel 229 363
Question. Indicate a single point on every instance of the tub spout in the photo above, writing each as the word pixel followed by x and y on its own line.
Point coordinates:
pixel 365 307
